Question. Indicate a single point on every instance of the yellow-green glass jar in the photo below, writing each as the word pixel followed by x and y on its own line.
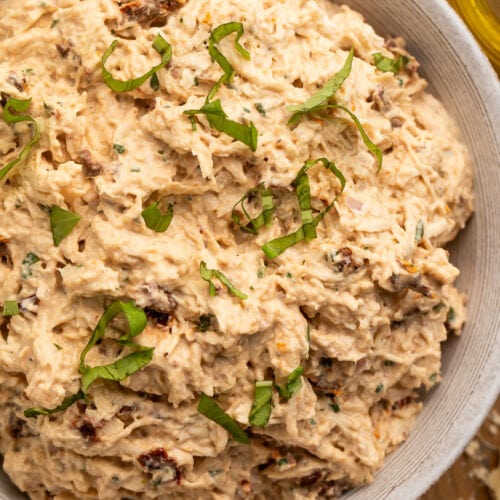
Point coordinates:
pixel 483 19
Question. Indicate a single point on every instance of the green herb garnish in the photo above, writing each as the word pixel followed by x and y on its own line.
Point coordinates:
pixel 204 322
pixel 10 308
pixel 433 377
pixel 307 231
pixel 335 407
pixel 154 83
pixel 31 258
pixel 209 274
pixel 210 409
pixel 54 23
pixel 379 388
pixel 215 37
pixel 320 98
pixel 374 149
pixel 293 383
pixel 387 64
pixel 261 407
pixel 263 219
pixel 213 111
pixel 136 320
pixel 159 44
pixel 33 412
pixel 120 369
pixel 155 220
pixel 217 119
pixel 450 316
pixel 19 106
pixel 119 148
pixel 62 222
pixel 260 108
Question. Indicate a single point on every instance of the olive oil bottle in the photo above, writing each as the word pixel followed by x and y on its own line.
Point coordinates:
pixel 483 19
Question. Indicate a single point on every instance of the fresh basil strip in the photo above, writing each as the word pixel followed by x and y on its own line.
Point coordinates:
pixel 10 308
pixel 136 319
pixel 260 412
pixel 321 97
pixel 209 274
pixel 307 231
pixel 62 222
pixel 293 383
pixel 155 220
pixel 387 64
pixel 263 219
pixel 419 231
pixel 120 369
pixel 217 119
pixel 376 151
pixel 19 106
pixel 31 258
pixel 210 409
pixel 215 37
pixel 33 412
pixel 159 44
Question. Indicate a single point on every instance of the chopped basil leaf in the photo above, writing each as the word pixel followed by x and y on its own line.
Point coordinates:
pixel 217 119
pixel 377 152
pixel 120 369
pixel 155 220
pixel 260 108
pixel 263 219
pixel 10 308
pixel 159 44
pixel 136 320
pixel 31 258
pixel 57 346
pixel 33 412
pixel 54 23
pixel 62 222
pixel 335 407
pixel 307 231
pixel 321 97
pixel 261 407
pixel 451 315
pixel 215 37
pixel 19 106
pixel 204 322
pixel 119 148
pixel 419 231
pixel 293 383
pixel 210 409
pixel 379 388
pixel 209 274
pixel 433 377
pixel 154 83
pixel 387 64
pixel 388 362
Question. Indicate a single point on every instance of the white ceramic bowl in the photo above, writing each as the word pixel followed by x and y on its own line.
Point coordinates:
pixel 462 78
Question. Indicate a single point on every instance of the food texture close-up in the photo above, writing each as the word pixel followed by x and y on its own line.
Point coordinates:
pixel 223 270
